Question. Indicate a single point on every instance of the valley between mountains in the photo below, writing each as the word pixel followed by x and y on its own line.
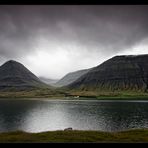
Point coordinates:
pixel 121 77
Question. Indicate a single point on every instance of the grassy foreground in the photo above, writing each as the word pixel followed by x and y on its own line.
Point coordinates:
pixel 137 135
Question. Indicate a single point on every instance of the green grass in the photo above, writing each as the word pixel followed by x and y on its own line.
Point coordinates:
pixel 137 135
pixel 35 93
pixel 116 95
pixel 84 95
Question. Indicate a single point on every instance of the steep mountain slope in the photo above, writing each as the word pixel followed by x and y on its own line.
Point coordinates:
pixel 15 75
pixel 118 73
pixel 71 77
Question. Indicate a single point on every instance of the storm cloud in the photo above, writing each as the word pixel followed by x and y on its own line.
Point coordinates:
pixel 52 40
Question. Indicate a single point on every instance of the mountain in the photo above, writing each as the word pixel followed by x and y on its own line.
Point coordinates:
pixel 48 81
pixel 14 75
pixel 126 72
pixel 71 77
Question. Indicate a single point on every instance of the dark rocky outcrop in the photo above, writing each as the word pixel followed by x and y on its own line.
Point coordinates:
pixel 68 129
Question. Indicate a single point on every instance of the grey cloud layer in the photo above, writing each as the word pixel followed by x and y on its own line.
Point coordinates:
pixel 110 27
pixel 106 29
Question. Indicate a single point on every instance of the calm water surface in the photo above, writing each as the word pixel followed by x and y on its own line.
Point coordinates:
pixel 47 115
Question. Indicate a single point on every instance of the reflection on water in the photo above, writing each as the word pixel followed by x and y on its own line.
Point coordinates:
pixel 38 115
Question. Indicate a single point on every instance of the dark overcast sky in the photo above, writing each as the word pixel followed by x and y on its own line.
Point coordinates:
pixel 53 40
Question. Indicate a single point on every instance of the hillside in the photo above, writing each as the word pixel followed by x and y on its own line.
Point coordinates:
pixel 71 77
pixel 14 75
pixel 119 73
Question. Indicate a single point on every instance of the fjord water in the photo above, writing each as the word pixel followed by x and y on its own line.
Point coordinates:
pixel 49 115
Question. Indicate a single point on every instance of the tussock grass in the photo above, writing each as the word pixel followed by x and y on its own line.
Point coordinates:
pixel 137 135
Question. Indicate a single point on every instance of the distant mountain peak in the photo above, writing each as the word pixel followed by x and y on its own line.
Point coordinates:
pixel 11 61
pixel 71 77
pixel 48 80
pixel 15 75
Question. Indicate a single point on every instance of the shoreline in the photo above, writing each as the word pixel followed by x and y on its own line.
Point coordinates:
pixel 108 98
pixel 131 135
